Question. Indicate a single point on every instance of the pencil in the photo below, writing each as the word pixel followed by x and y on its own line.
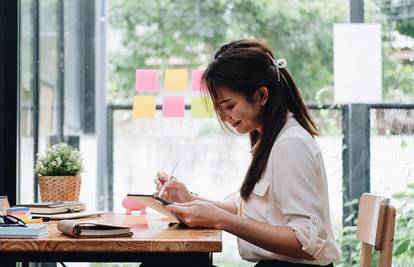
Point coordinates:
pixel 168 178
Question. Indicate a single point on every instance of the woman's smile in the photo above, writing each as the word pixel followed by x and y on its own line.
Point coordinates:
pixel 234 125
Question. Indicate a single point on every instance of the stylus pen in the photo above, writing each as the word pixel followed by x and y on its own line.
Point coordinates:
pixel 168 178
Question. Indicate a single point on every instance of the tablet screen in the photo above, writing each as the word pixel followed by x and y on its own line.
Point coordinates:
pixel 153 202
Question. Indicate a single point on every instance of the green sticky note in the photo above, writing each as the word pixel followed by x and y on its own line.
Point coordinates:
pixel 199 109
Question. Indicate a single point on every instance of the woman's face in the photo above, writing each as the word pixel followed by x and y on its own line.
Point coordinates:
pixel 238 113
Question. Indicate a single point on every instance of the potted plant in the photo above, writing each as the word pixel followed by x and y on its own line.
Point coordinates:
pixel 59 172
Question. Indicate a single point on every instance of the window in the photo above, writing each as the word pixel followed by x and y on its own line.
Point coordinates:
pixel 57 88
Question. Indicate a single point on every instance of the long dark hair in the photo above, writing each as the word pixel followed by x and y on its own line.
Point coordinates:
pixel 245 66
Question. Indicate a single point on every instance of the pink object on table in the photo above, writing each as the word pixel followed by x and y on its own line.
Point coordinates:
pixel 130 205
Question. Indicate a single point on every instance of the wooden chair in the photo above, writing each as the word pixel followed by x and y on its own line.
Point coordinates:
pixel 375 228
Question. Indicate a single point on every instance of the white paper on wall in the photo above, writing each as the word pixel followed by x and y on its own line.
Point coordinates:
pixel 357 63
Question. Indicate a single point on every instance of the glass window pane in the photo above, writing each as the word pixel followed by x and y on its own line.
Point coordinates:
pixel 48 49
pixel 26 102
pixel 66 87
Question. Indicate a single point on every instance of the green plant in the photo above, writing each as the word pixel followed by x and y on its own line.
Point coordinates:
pixel 404 233
pixel 59 160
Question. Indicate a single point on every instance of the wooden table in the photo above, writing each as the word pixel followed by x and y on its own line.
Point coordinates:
pixel 155 242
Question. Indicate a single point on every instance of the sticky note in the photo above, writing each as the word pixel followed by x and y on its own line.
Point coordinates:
pixel 146 80
pixel 175 80
pixel 144 107
pixel 199 109
pixel 173 106
pixel 196 79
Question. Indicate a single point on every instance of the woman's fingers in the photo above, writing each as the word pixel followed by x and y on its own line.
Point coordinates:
pixel 178 210
pixel 158 184
pixel 161 179
pixel 162 176
pixel 184 204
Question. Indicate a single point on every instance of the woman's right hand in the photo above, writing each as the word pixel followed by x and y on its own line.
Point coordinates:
pixel 174 190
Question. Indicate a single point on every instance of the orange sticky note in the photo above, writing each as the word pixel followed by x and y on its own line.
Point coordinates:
pixel 173 106
pixel 199 108
pixel 196 79
pixel 144 107
pixel 175 80
pixel 146 80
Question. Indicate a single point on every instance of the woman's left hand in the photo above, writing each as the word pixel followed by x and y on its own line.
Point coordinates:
pixel 197 213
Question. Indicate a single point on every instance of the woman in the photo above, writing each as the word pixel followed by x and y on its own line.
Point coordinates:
pixel 281 214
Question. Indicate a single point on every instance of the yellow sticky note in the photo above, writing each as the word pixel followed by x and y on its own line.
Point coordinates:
pixel 144 107
pixel 175 80
pixel 199 108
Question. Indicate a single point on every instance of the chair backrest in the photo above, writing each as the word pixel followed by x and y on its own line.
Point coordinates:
pixel 375 228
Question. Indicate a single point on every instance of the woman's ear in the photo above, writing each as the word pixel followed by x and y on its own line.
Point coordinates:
pixel 261 95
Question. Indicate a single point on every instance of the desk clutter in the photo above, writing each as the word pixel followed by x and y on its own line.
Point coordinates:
pixel 55 207
pixel 57 210
pixel 27 220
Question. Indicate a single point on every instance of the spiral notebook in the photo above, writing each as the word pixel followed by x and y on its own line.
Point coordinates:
pixel 31 231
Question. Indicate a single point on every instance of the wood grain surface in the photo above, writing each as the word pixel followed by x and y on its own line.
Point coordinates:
pixel 152 233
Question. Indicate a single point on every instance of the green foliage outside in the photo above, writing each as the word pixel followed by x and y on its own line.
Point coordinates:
pixel 59 160
pixel 406 27
pixel 153 33
pixel 165 33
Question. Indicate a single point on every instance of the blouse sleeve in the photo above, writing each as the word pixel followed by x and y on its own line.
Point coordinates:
pixel 235 196
pixel 296 190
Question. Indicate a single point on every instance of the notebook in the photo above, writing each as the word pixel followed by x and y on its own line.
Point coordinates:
pixel 90 229
pixel 154 202
pixel 54 207
pixel 31 231
pixel 67 216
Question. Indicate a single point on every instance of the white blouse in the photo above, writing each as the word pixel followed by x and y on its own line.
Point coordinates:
pixel 293 191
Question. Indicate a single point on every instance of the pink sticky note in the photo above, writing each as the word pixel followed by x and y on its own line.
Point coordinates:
pixel 173 106
pixel 146 80
pixel 196 79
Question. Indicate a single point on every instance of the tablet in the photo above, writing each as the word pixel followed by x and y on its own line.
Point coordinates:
pixel 154 202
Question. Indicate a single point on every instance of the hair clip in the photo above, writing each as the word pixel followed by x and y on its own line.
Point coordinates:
pixel 279 64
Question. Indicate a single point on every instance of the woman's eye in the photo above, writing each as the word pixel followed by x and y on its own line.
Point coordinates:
pixel 230 107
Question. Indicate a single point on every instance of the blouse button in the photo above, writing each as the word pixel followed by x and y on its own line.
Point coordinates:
pixel 314 221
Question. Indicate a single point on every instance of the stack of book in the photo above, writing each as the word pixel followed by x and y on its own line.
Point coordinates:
pixel 54 207
pixel 59 210
pixel 23 213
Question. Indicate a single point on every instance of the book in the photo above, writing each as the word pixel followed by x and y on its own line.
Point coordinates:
pixel 31 231
pixel 67 216
pixel 154 202
pixel 54 207
pixel 93 229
